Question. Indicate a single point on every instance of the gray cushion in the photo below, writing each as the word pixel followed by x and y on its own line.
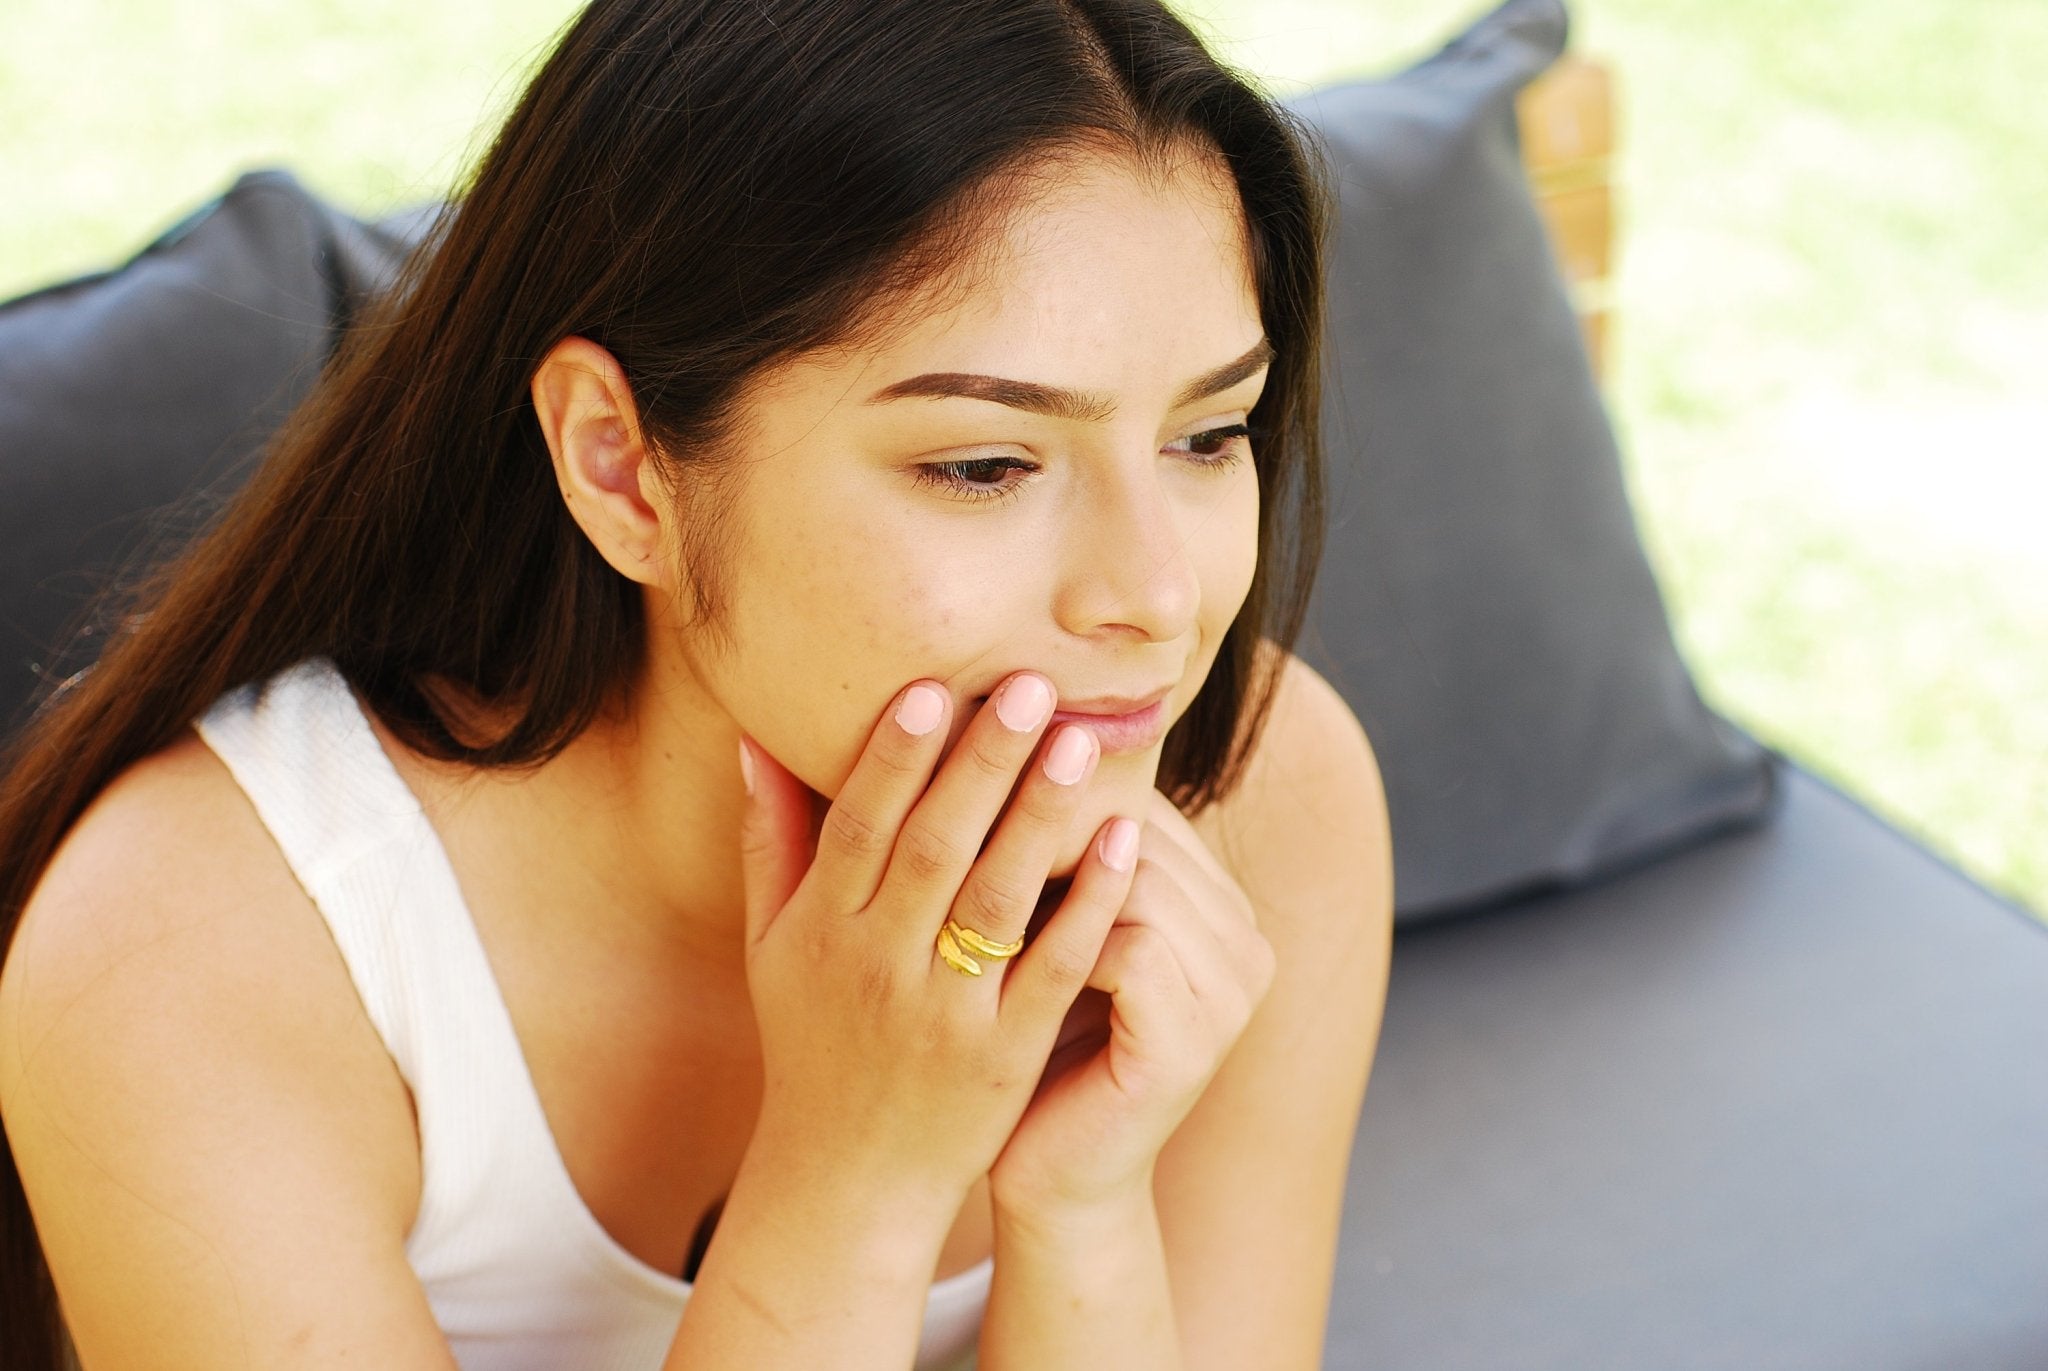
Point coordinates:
pixel 124 391
pixel 1776 1102
pixel 1485 604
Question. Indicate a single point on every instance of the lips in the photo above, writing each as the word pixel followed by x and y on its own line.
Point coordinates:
pixel 1111 706
pixel 1132 732
pixel 1119 724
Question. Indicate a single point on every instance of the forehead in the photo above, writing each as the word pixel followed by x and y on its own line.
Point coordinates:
pixel 1069 211
pixel 1096 271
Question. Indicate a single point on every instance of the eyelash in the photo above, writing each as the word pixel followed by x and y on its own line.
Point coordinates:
pixel 953 475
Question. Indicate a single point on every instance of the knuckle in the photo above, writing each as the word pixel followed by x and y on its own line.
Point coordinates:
pixel 1147 876
pixel 1066 968
pixel 1049 804
pixel 993 759
pixel 927 858
pixel 936 1033
pixel 1150 949
pixel 817 947
pixel 858 833
pixel 874 985
pixel 953 1041
pixel 988 1065
pixel 989 902
pixel 899 760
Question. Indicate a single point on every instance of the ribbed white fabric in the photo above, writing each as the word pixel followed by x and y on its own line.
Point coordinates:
pixel 520 1274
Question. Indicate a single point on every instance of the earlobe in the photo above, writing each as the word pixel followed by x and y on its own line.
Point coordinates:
pixel 587 415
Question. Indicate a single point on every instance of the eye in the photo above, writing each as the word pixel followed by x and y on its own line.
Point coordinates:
pixel 1228 454
pixel 1211 449
pixel 966 478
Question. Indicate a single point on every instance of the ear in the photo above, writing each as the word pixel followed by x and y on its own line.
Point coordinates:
pixel 602 465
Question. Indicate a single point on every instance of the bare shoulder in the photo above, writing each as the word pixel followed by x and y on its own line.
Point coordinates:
pixel 192 1091
pixel 1311 806
pixel 168 888
pixel 167 883
pixel 170 833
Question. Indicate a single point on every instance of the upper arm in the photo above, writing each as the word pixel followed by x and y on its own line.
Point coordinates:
pixel 218 1156
pixel 1250 1187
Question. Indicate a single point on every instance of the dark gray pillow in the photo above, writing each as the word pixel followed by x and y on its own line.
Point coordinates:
pixel 125 391
pixel 1484 604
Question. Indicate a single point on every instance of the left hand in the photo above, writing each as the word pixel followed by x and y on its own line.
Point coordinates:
pixel 1178 978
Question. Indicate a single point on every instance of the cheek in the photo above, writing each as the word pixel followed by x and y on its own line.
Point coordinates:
pixel 828 634
pixel 1230 558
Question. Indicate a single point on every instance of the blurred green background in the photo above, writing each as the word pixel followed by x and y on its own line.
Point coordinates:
pixel 1827 361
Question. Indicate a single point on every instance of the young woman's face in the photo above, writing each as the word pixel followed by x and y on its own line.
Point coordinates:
pixel 1108 550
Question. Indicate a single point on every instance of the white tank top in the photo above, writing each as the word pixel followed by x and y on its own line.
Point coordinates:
pixel 520 1274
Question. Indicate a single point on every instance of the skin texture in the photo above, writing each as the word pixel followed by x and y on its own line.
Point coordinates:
pixel 1116 568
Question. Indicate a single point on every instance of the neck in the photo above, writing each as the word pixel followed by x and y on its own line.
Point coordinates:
pixel 628 838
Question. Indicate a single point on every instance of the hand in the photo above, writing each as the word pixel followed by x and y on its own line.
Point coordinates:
pixel 875 1051
pixel 1180 975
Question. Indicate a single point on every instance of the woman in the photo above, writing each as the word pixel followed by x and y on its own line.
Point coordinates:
pixel 403 972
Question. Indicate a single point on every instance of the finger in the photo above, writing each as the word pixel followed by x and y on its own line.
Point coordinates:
pixel 1042 983
pixel 1158 850
pixel 859 828
pixel 1223 960
pixel 946 829
pixel 1174 826
pixel 1219 899
pixel 1157 1013
pixel 1002 888
pixel 774 836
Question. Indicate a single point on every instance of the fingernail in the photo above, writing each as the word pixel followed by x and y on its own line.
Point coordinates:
pixel 1024 703
pixel 746 767
pixel 1120 845
pixel 919 711
pixel 1068 757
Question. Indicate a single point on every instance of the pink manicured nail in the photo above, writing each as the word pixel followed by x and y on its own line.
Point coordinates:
pixel 1120 845
pixel 1068 756
pixel 919 712
pixel 1024 704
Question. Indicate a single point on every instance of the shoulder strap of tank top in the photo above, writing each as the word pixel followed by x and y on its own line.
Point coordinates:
pixel 495 1196
pixel 359 843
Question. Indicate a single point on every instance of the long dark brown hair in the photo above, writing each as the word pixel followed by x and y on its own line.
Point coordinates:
pixel 704 189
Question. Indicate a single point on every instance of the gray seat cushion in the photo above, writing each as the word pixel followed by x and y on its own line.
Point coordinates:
pixel 1485 604
pixel 1779 1101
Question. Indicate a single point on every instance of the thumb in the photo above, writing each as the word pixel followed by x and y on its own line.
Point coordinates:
pixel 776 836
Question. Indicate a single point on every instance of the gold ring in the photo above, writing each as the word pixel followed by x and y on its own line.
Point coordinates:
pixel 955 939
pixel 975 942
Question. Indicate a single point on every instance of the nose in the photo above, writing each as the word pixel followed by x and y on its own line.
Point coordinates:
pixel 1134 557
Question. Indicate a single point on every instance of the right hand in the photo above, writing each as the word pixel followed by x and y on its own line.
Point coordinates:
pixel 872 1046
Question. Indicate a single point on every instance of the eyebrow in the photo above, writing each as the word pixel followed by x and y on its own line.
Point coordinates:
pixel 1080 405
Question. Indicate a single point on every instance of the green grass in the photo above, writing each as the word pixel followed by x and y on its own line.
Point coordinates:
pixel 1827 372
pixel 1831 306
